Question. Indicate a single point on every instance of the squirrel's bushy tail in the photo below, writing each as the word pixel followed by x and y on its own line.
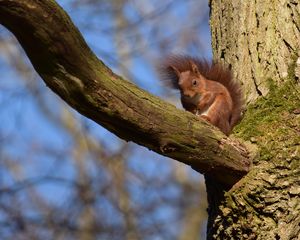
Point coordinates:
pixel 211 70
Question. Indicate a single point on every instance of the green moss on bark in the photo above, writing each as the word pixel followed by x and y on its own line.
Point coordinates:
pixel 277 115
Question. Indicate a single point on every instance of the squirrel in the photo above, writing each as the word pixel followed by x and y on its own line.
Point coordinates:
pixel 207 89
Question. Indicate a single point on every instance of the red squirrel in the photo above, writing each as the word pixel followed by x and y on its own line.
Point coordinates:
pixel 207 89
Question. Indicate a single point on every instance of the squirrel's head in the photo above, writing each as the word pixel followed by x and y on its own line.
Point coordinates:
pixel 190 82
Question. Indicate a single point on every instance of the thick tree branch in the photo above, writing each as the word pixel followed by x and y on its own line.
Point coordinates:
pixel 67 65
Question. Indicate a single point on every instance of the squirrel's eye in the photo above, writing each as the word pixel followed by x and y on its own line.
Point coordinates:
pixel 194 82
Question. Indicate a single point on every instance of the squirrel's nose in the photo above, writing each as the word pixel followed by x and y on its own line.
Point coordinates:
pixel 188 95
pixel 191 99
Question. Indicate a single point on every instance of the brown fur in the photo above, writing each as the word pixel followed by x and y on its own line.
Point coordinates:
pixel 218 89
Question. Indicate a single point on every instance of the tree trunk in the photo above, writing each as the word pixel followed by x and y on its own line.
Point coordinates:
pixel 260 40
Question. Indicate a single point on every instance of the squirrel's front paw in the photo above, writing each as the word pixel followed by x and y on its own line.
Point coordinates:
pixel 205 117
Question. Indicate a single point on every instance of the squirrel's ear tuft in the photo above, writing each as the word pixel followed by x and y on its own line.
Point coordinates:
pixel 194 68
pixel 176 71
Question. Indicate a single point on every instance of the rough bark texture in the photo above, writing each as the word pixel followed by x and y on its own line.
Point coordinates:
pixel 66 64
pixel 257 38
pixel 260 40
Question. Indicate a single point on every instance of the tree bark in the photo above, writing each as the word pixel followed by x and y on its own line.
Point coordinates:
pixel 257 39
pixel 67 65
pixel 260 40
